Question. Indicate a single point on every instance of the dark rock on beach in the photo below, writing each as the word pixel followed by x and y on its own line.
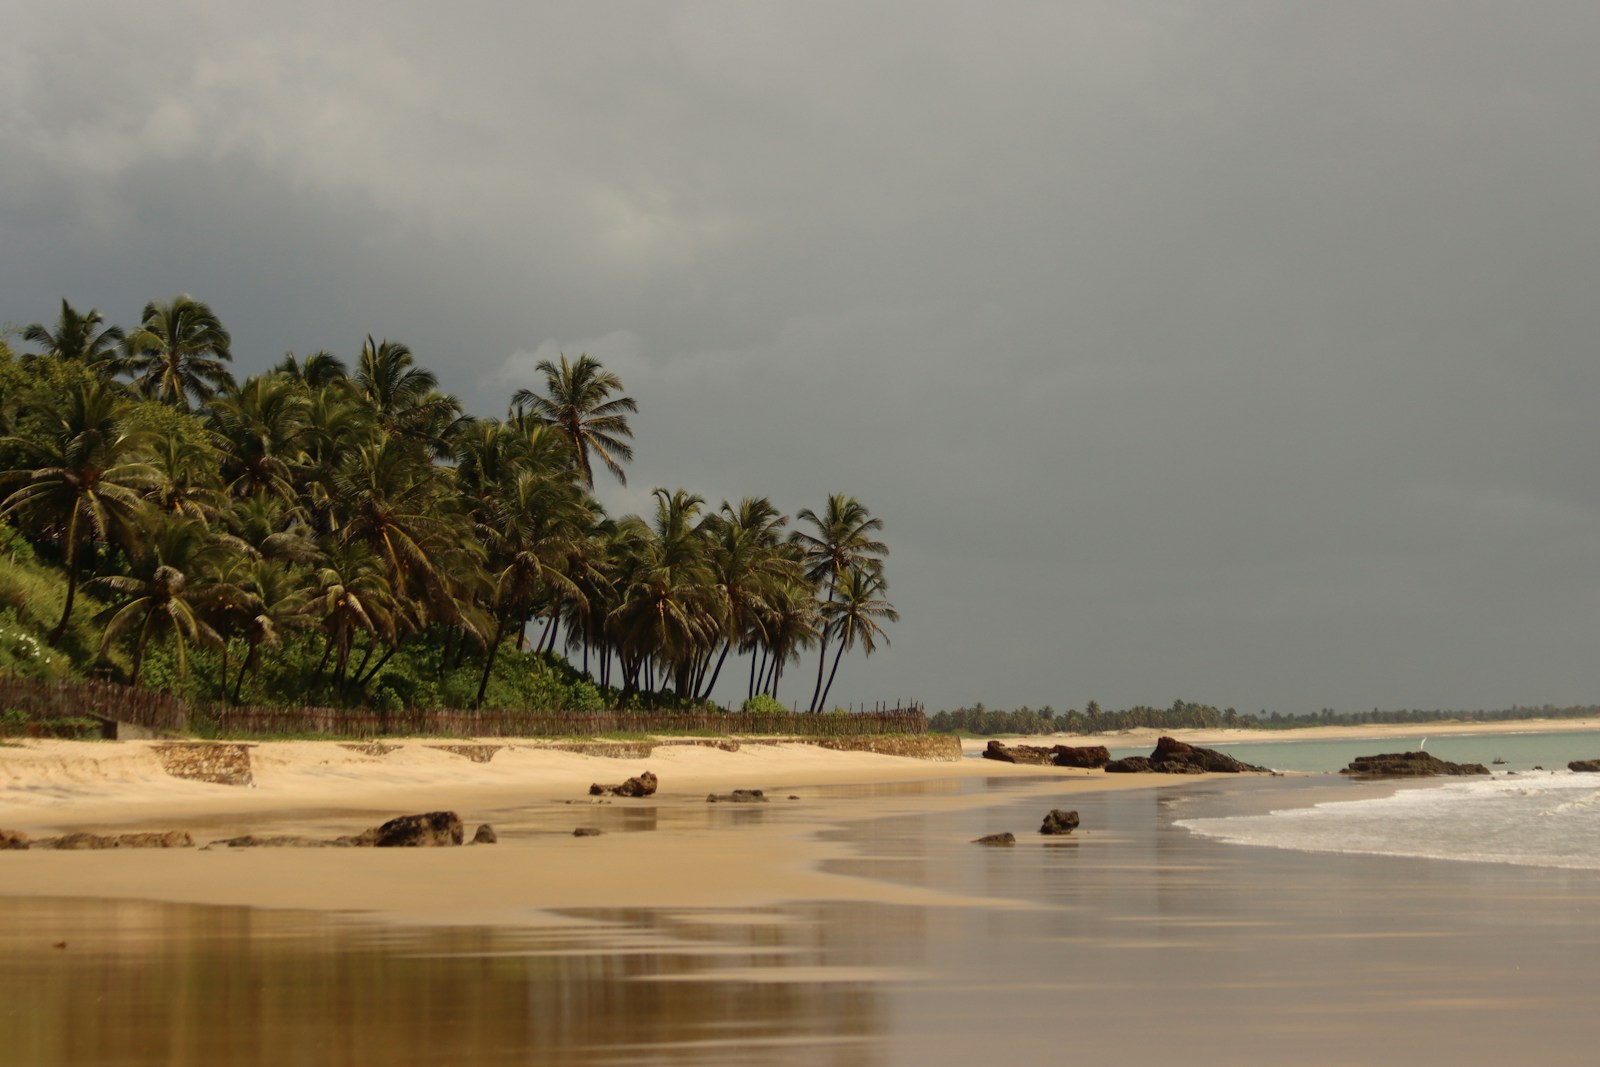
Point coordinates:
pixel 13 839
pixel 586 831
pixel 1006 838
pixel 642 786
pixel 1059 822
pixel 1017 753
pixel 428 830
pixel 485 835
pixel 1172 756
pixel 738 796
pixel 1408 765
pixel 1054 756
pixel 1588 766
pixel 1089 756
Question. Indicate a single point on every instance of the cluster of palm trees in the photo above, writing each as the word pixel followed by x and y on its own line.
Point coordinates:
pixel 364 509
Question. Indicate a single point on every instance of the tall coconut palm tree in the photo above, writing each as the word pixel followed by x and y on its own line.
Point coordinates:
pixel 666 615
pixel 744 550
pixel 853 614
pixel 78 338
pixel 178 352
pixel 844 541
pixel 174 584
pixel 577 401
pixel 259 428
pixel 84 482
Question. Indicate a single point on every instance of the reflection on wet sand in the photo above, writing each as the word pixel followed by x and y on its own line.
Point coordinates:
pixel 167 984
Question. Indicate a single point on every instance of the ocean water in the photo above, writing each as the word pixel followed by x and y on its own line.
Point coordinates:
pixel 1547 817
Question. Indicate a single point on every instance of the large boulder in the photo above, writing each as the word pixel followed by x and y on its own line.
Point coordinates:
pixel 1177 757
pixel 1031 754
pixel 1408 765
pixel 429 830
pixel 1059 822
pixel 642 786
pixel 1089 756
pixel 1590 766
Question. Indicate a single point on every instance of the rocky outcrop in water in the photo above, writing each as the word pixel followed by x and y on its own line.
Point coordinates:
pixel 1059 822
pixel 642 786
pixel 994 840
pixel 1055 756
pixel 1587 766
pixel 1408 765
pixel 738 796
pixel 1172 756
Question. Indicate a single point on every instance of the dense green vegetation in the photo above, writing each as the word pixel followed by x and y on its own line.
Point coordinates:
pixel 986 722
pixel 318 534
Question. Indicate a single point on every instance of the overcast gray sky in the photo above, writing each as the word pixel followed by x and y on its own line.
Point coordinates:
pixel 1233 352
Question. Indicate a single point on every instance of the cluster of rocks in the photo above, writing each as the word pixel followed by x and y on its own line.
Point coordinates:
pixel 427 830
pixel 1172 756
pixel 1408 765
pixel 16 839
pixel 642 786
pixel 1057 823
pixel 1089 756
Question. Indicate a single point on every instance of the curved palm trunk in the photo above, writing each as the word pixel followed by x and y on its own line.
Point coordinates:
pixel 705 692
pixel 837 656
pixel 72 582
pixel 488 662
pixel 822 663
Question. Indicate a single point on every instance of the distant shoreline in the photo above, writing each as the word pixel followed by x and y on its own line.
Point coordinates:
pixel 1375 731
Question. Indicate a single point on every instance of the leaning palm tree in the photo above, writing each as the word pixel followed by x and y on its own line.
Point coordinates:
pixel 178 352
pixel 844 541
pixel 78 338
pixel 577 402
pixel 853 616
pixel 83 483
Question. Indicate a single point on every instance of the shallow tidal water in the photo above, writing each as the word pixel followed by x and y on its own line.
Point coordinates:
pixel 1133 939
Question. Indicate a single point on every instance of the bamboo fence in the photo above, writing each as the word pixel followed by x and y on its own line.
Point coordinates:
pixel 39 700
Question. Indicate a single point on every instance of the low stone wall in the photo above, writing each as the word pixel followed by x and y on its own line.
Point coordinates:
pixel 207 761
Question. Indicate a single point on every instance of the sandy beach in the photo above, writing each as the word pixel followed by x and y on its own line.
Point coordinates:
pixel 855 924
pixel 696 853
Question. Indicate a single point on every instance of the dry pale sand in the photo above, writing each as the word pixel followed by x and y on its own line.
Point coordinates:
pixel 696 854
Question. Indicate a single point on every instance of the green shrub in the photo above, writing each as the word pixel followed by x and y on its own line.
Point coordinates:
pixel 763 704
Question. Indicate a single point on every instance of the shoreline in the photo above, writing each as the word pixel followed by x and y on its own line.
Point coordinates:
pixel 671 850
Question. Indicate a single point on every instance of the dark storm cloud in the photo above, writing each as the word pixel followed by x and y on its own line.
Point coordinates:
pixel 1236 352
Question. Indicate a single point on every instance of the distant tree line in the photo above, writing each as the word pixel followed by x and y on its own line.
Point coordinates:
pixel 986 722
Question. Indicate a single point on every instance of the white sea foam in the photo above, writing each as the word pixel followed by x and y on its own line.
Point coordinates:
pixel 1547 820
